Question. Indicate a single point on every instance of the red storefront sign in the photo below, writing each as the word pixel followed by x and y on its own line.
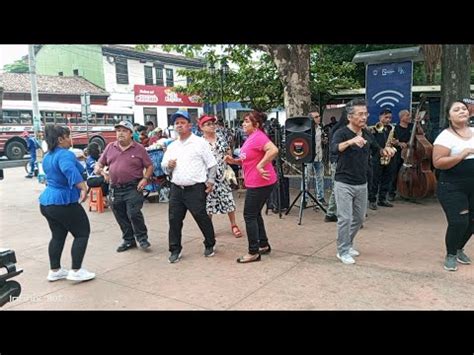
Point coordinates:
pixel 150 95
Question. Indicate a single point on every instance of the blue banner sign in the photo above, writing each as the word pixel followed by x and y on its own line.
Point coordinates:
pixel 388 86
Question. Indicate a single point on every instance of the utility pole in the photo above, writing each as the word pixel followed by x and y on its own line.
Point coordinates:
pixel 34 90
pixel 86 109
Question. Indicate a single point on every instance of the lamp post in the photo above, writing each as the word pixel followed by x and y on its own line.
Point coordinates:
pixel 223 70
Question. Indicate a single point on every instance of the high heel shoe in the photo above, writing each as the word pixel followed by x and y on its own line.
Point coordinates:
pixel 265 250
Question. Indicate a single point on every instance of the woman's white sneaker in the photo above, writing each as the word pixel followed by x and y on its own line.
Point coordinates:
pixel 80 275
pixel 57 275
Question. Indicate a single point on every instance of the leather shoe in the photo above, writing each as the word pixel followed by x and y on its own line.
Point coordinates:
pixel 330 218
pixel 385 203
pixel 126 245
pixel 144 244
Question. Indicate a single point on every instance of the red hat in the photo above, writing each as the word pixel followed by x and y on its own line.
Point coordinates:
pixel 206 118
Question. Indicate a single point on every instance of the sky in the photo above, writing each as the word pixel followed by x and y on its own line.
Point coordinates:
pixel 10 53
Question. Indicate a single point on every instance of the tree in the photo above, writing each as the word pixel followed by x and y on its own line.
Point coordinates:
pixel 248 81
pixel 292 63
pixel 280 74
pixel 455 76
pixel 18 66
pixel 328 75
pixel 432 54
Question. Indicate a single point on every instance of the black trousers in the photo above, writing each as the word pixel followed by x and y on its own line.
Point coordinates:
pixel 456 198
pixel 99 181
pixel 192 198
pixel 255 199
pixel 63 219
pixel 382 178
pixel 397 162
pixel 127 203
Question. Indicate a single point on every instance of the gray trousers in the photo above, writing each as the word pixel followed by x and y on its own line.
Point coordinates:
pixel 351 203
pixel 332 210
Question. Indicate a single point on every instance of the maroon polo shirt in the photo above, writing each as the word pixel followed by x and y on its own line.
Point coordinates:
pixel 125 166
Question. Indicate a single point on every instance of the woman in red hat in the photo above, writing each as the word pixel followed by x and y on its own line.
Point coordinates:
pixel 220 199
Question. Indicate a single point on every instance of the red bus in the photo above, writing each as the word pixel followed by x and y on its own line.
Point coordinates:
pixel 100 128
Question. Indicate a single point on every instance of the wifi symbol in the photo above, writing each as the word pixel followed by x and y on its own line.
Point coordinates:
pixel 386 100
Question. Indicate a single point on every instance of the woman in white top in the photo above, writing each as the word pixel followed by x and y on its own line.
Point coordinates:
pixel 453 155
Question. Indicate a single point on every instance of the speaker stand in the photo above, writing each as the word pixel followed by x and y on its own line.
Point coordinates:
pixel 303 193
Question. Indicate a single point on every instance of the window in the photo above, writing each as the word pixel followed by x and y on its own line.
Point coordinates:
pixel 189 81
pixel 121 70
pixel 148 75
pixel 11 116
pixel 169 77
pixel 26 117
pixel 159 76
pixel 76 72
pixel 48 117
pixel 60 118
pixel 100 119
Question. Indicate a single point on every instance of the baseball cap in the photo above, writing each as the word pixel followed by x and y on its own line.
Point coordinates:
pixel 180 113
pixel 385 111
pixel 205 119
pixel 125 124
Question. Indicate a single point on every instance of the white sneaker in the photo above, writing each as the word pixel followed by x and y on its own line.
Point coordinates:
pixel 80 275
pixel 57 275
pixel 346 259
pixel 353 252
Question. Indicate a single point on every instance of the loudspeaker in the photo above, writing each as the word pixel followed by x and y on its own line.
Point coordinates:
pixel 300 139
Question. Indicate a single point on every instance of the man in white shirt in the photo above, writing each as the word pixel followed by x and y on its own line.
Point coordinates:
pixel 192 169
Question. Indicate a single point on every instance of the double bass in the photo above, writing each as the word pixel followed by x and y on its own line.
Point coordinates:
pixel 415 178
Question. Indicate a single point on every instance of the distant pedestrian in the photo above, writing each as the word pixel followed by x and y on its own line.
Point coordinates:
pixel 32 145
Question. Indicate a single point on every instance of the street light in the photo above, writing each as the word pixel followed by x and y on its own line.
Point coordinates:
pixel 223 70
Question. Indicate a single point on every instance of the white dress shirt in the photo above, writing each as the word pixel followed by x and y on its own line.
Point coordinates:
pixel 193 158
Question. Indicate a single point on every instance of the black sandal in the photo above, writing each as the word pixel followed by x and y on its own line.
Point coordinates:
pixel 242 260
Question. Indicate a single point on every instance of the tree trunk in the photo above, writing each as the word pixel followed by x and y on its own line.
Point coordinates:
pixel 292 62
pixel 455 76
pixel 432 54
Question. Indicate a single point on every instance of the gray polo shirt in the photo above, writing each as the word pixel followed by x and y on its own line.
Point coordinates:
pixel 125 166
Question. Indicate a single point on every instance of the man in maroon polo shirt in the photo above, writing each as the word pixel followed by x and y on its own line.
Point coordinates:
pixel 127 160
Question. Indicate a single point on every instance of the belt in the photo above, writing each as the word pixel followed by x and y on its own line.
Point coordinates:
pixel 128 184
pixel 184 187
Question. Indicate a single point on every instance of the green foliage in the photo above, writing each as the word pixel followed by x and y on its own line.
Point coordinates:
pixel 250 81
pixel 328 75
pixel 18 66
pixel 339 53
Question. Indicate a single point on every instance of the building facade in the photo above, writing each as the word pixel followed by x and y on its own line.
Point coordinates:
pixel 139 80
